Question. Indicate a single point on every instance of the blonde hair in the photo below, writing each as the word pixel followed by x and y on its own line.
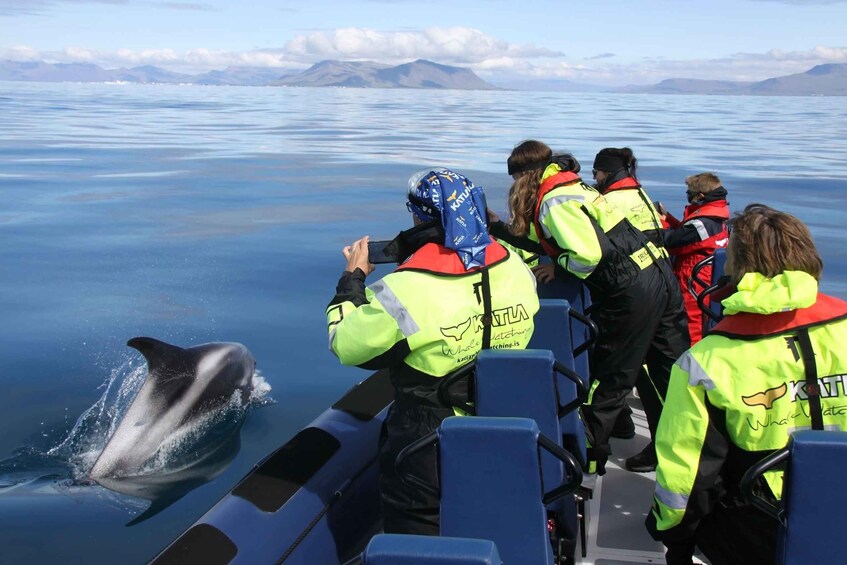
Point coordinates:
pixel 769 242
pixel 703 183
pixel 523 192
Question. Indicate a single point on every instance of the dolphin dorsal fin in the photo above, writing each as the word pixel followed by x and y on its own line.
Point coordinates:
pixel 161 357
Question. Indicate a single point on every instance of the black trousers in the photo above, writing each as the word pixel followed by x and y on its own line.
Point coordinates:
pixel 406 509
pixel 741 535
pixel 642 323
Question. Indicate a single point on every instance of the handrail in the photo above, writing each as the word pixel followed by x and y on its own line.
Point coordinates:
pixel 410 480
pixel 750 480
pixel 574 470
pixel 695 275
pixel 581 389
pixel 593 331
pixel 443 389
pixel 701 302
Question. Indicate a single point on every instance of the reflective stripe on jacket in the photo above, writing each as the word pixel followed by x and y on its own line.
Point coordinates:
pixel 706 227
pixel 738 394
pixel 424 320
pixel 587 235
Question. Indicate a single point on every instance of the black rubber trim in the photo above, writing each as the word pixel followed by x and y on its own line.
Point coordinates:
pixel 367 399
pixel 282 474
pixel 202 543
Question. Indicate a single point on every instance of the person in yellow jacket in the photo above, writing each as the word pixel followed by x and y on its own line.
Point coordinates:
pixel 615 178
pixel 774 364
pixel 454 293
pixel 614 173
pixel 635 299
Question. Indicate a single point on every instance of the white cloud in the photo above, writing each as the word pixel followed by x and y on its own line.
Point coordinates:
pixel 736 67
pixel 454 45
pixel 600 56
pixel 820 53
pixel 187 61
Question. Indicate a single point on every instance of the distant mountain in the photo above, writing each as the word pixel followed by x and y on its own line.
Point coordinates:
pixel 85 72
pixel 240 76
pixel 690 86
pixel 38 71
pixel 822 80
pixel 335 73
pixel 149 74
pixel 419 74
pixel 550 85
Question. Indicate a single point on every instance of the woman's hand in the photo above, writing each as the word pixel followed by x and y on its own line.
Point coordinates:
pixel 357 256
pixel 545 273
pixel 492 216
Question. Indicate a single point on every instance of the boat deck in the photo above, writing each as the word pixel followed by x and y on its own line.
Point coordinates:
pixel 616 514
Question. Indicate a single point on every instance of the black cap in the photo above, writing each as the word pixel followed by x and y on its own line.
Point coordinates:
pixel 515 169
pixel 608 162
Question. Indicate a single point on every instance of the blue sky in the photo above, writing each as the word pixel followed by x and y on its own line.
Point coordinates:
pixel 606 42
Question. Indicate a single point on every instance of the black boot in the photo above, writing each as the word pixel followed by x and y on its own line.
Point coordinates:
pixel 642 462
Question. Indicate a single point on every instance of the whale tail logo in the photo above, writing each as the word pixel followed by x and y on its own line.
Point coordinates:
pixel 452 196
pixel 767 397
pixel 456 332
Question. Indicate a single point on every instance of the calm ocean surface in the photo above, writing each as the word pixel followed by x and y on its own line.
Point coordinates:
pixel 195 214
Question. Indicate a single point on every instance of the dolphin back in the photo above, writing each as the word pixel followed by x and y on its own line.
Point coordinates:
pixel 158 353
pixel 169 367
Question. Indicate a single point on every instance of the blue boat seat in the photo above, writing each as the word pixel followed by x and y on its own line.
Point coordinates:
pixel 491 486
pixel 553 332
pixel 576 293
pixel 813 509
pixel 402 549
pixel 523 383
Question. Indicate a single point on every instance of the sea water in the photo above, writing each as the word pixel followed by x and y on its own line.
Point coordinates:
pixel 195 214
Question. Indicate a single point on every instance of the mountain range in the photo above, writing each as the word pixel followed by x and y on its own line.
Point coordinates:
pixel 418 74
pixel 821 80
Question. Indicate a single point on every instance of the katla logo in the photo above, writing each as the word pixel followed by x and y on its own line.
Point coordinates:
pixel 457 331
pixel 767 397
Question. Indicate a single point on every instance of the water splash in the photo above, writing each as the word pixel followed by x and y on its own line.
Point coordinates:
pixel 69 462
pixel 95 426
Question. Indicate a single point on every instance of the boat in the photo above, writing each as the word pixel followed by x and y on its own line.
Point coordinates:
pixel 315 499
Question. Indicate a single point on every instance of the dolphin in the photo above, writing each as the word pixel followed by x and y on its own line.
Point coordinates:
pixel 164 489
pixel 182 386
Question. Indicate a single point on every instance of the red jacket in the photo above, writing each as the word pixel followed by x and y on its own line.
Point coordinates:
pixel 702 230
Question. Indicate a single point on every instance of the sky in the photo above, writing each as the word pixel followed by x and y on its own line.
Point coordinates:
pixel 604 42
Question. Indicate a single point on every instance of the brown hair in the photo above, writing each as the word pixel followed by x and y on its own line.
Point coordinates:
pixel 769 242
pixel 703 183
pixel 523 192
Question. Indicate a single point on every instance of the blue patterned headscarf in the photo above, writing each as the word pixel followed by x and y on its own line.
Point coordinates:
pixel 452 198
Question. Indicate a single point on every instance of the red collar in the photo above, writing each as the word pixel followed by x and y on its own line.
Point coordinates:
pixel 437 259
pixel 748 325
pixel 624 183
pixel 714 209
pixel 559 179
